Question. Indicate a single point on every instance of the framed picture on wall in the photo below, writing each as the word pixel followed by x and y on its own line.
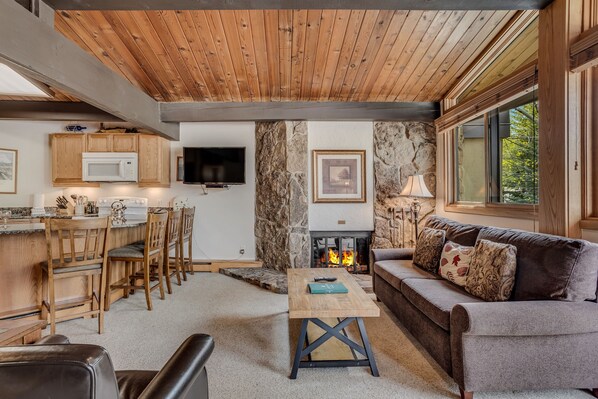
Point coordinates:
pixel 8 171
pixel 338 176
pixel 180 169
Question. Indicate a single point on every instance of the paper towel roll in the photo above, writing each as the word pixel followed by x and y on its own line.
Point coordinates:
pixel 38 200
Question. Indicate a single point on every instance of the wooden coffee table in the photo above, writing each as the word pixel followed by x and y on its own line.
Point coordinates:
pixel 316 308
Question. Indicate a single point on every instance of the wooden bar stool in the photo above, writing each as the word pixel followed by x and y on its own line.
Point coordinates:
pixel 186 237
pixel 81 253
pixel 145 253
pixel 173 232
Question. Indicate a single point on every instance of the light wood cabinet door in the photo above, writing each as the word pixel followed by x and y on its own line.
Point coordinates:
pixel 154 161
pixel 124 142
pixel 67 159
pixel 99 142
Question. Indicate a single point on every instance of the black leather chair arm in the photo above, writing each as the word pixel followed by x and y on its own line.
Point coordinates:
pixel 183 376
pixel 56 371
pixel 53 340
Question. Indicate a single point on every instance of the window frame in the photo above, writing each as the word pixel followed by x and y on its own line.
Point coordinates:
pixel 487 207
pixel 589 146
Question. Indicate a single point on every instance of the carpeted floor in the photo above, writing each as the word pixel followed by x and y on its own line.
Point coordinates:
pixel 253 340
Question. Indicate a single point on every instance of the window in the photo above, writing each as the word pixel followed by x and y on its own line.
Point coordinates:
pixel 470 160
pixel 513 150
pixel 496 156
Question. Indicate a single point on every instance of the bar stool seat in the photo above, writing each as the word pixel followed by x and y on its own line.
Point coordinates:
pixel 60 270
pixel 130 251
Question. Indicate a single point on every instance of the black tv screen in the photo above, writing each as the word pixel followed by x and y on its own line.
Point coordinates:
pixel 211 165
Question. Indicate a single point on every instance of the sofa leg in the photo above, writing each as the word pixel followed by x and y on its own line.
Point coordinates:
pixel 378 299
pixel 465 395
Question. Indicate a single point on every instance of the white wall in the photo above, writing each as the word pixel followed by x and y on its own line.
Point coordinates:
pixel 34 162
pixel 350 136
pixel 224 219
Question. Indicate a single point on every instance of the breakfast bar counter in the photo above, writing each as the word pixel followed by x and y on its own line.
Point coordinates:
pixel 23 248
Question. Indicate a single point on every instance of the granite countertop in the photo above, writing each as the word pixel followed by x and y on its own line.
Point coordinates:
pixel 26 228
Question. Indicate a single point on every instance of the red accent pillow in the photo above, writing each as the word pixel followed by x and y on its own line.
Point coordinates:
pixel 454 262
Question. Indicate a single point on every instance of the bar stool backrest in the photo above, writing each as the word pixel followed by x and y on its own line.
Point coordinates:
pixel 79 242
pixel 155 231
pixel 174 226
pixel 187 227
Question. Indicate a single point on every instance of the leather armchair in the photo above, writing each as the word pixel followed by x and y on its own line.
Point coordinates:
pixel 55 369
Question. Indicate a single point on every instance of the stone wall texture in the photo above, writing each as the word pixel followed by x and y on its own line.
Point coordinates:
pixel 281 224
pixel 401 149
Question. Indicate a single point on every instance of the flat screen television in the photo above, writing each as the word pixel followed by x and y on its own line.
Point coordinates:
pixel 214 165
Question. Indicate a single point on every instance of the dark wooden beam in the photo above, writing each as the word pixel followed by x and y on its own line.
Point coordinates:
pixel 298 4
pixel 38 51
pixel 54 111
pixel 315 111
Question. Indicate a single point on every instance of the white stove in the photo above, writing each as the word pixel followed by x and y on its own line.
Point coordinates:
pixel 135 208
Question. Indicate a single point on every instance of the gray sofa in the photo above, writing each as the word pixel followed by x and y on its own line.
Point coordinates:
pixel 545 336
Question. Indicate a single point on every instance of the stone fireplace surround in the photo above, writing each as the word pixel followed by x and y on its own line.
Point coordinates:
pixel 282 232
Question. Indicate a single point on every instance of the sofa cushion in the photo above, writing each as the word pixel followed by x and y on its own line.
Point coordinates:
pixel 454 262
pixel 492 272
pixel 464 234
pixel 550 267
pixel 435 298
pixel 395 271
pixel 428 249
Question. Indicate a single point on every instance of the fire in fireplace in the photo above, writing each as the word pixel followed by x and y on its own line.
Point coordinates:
pixel 341 249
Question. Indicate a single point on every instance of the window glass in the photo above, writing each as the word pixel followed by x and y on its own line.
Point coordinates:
pixel 470 161
pixel 513 149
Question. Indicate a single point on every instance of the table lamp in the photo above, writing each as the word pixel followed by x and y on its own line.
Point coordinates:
pixel 416 188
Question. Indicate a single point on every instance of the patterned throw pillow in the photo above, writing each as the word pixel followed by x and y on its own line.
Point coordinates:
pixel 454 263
pixel 428 249
pixel 492 271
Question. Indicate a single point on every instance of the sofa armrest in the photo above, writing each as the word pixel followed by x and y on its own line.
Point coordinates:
pixel 525 318
pixel 179 375
pixel 392 254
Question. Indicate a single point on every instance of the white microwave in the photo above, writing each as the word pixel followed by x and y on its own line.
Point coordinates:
pixel 110 166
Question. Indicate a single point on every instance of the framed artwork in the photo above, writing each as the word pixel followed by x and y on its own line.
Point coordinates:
pixel 180 169
pixel 338 176
pixel 8 171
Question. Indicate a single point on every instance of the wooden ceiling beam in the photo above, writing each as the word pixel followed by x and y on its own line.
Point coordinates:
pixel 38 51
pixel 313 111
pixel 54 111
pixel 298 4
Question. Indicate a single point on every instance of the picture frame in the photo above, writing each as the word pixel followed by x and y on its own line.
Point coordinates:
pixel 8 170
pixel 180 168
pixel 338 176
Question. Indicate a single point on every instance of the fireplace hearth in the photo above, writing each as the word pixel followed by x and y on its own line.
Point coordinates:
pixel 348 249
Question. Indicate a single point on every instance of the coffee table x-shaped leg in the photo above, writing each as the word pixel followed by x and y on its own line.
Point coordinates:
pixel 304 348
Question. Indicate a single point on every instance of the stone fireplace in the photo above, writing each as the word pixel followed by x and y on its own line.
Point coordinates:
pixel 347 249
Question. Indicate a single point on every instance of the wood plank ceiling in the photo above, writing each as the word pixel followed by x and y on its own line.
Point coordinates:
pixel 286 55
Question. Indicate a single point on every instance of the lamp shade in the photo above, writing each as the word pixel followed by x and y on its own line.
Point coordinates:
pixel 416 187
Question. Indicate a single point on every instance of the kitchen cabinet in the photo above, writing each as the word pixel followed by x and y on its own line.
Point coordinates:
pixel 67 159
pixel 68 148
pixel 154 161
pixel 112 142
pixel 99 142
pixel 124 142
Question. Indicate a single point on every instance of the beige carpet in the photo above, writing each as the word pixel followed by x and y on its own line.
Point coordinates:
pixel 252 356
